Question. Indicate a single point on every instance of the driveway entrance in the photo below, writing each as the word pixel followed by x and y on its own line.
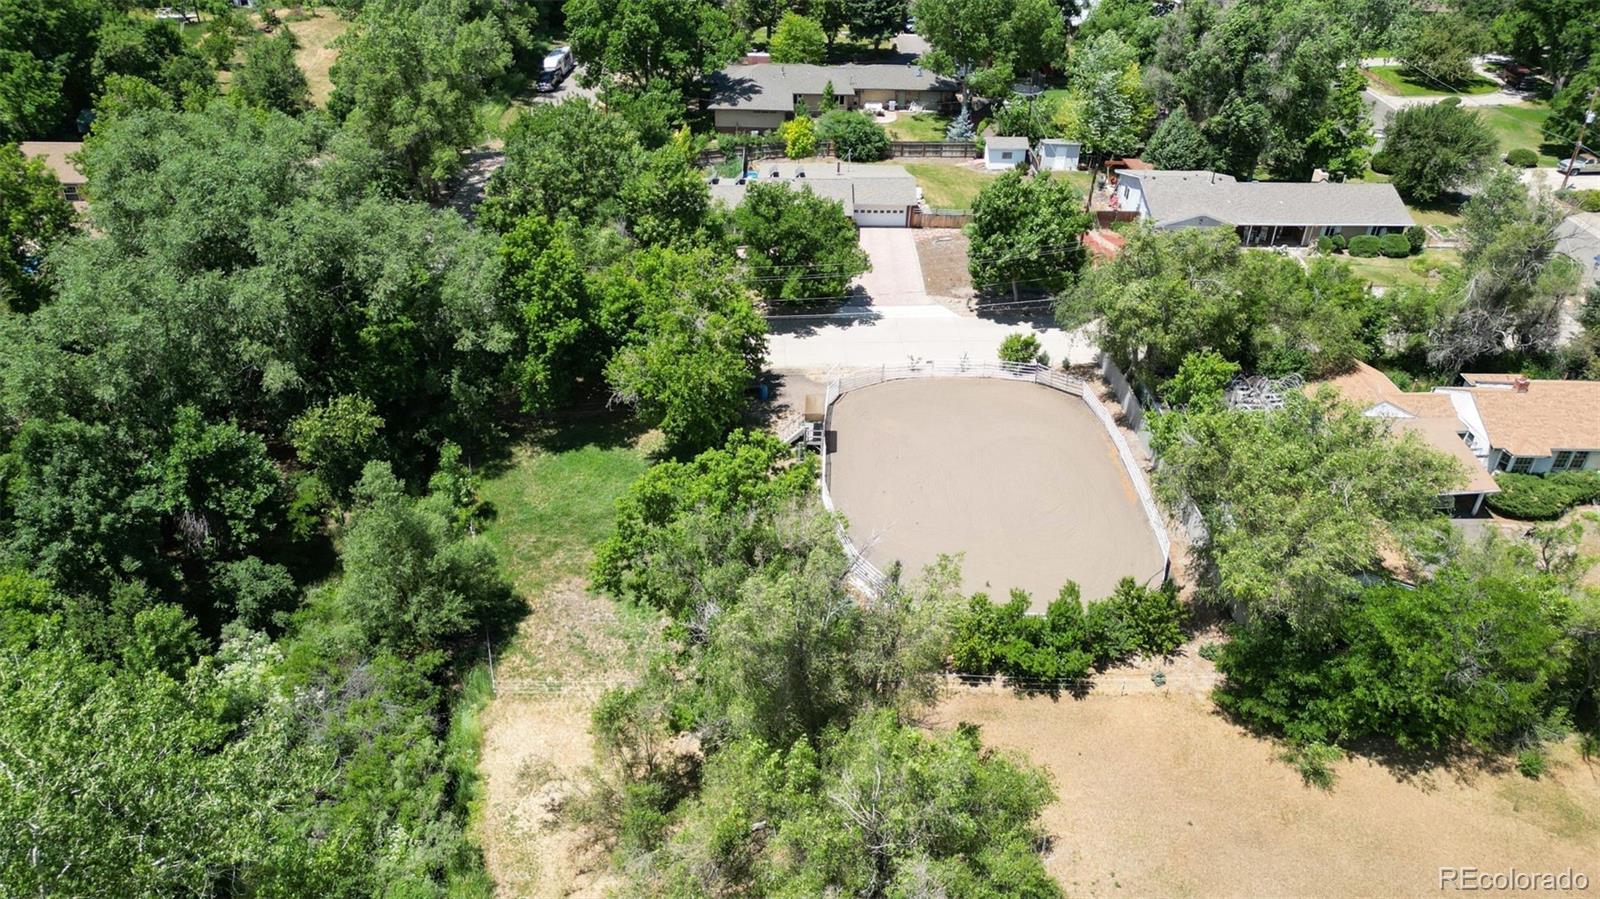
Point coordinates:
pixel 896 275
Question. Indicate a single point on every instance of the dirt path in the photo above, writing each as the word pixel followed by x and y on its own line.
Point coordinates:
pixel 1160 796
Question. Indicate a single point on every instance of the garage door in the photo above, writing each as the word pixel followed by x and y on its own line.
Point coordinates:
pixel 881 218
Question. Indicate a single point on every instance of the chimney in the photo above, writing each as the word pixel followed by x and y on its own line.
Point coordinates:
pixel 1521 383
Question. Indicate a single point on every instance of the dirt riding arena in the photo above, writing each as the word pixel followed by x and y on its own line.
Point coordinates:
pixel 1021 479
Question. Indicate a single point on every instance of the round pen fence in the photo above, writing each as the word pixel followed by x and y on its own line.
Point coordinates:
pixel 869 577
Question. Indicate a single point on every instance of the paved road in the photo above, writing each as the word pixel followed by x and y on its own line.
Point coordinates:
pixel 895 278
pixel 865 336
pixel 1579 237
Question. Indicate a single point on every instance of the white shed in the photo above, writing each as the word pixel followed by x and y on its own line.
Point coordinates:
pixel 1002 153
pixel 1057 155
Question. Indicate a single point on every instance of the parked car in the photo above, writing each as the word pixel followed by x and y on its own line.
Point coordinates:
pixel 1583 165
pixel 558 64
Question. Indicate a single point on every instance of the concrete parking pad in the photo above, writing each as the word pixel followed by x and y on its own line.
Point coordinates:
pixel 856 337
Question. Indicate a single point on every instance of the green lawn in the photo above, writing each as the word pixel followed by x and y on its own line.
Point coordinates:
pixel 946 186
pixel 1381 271
pixel 1518 126
pixel 922 126
pixel 1396 80
pixel 1442 214
pixel 554 500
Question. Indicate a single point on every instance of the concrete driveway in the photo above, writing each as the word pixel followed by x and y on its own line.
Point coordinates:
pixel 896 275
pixel 858 337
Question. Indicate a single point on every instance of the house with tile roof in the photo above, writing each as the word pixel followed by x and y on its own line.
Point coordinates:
pixel 1266 213
pixel 762 96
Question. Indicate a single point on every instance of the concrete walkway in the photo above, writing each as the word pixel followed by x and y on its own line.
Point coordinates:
pixel 858 336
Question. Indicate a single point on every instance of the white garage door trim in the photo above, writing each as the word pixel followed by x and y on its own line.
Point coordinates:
pixel 881 218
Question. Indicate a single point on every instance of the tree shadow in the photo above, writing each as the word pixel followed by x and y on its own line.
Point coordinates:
pixel 810 323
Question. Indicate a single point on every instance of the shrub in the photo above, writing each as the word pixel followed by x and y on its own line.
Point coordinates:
pixel 1340 243
pixel 1530 763
pixel 1324 245
pixel 1394 246
pixel 1382 163
pixel 1312 760
pixel 1535 497
pixel 855 136
pixel 1522 158
pixel 1417 236
pixel 1067 642
pixel 1365 246
pixel 1589 200
pixel 799 137
pixel 960 127
pixel 1022 348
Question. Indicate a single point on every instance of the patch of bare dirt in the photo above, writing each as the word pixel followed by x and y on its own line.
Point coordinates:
pixel 570 648
pixel 1161 796
pixel 943 255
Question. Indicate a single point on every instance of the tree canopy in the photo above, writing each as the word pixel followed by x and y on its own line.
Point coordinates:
pixel 799 247
pixel 1026 230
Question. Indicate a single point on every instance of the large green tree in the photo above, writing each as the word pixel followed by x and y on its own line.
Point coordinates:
pixel 1298 503
pixel 34 217
pixel 407 82
pixel 984 43
pixel 639 41
pixel 1434 148
pixel 799 247
pixel 695 345
pixel 567 159
pixel 46 56
pixel 1026 230
pixel 270 78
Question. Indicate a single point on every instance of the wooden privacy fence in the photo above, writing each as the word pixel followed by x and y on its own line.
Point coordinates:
pixel 943 149
pixel 938 218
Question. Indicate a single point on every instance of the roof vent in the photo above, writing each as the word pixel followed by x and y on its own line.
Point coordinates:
pixel 1521 384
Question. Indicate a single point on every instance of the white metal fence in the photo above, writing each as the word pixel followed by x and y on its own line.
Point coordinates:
pixel 868 576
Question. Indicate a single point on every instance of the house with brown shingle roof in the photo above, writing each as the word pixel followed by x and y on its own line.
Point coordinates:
pixel 58 157
pixel 1493 421
pixel 1536 426
pixel 1435 417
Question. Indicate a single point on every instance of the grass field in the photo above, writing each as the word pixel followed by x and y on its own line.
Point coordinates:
pixel 1381 271
pixel 553 502
pixel 1518 126
pixel 946 185
pixel 317 53
pixel 1162 796
pixel 1396 80
pixel 922 126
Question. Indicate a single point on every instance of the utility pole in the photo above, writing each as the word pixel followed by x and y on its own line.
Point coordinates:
pixel 1577 145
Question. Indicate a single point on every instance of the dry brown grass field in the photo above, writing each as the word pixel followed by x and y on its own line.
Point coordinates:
pixel 1161 796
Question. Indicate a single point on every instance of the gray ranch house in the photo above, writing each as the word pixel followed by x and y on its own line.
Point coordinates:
pixel 762 96
pixel 873 196
pixel 1266 213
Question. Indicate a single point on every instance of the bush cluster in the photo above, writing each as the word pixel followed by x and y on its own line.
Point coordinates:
pixel 1365 246
pixel 1522 158
pixel 1067 641
pixel 1394 246
pixel 1588 200
pixel 1539 497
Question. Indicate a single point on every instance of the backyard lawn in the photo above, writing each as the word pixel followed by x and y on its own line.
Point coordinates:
pixel 922 126
pixel 946 185
pixel 1381 271
pixel 1398 81
pixel 316 53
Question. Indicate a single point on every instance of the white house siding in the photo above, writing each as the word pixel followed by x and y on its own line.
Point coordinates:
pixel 1058 157
pixel 1003 160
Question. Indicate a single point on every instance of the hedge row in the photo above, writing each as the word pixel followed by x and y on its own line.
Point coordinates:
pixel 1539 497
pixel 1067 641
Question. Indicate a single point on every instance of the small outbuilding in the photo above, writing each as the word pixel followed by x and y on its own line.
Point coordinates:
pixel 1003 153
pixel 1056 155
